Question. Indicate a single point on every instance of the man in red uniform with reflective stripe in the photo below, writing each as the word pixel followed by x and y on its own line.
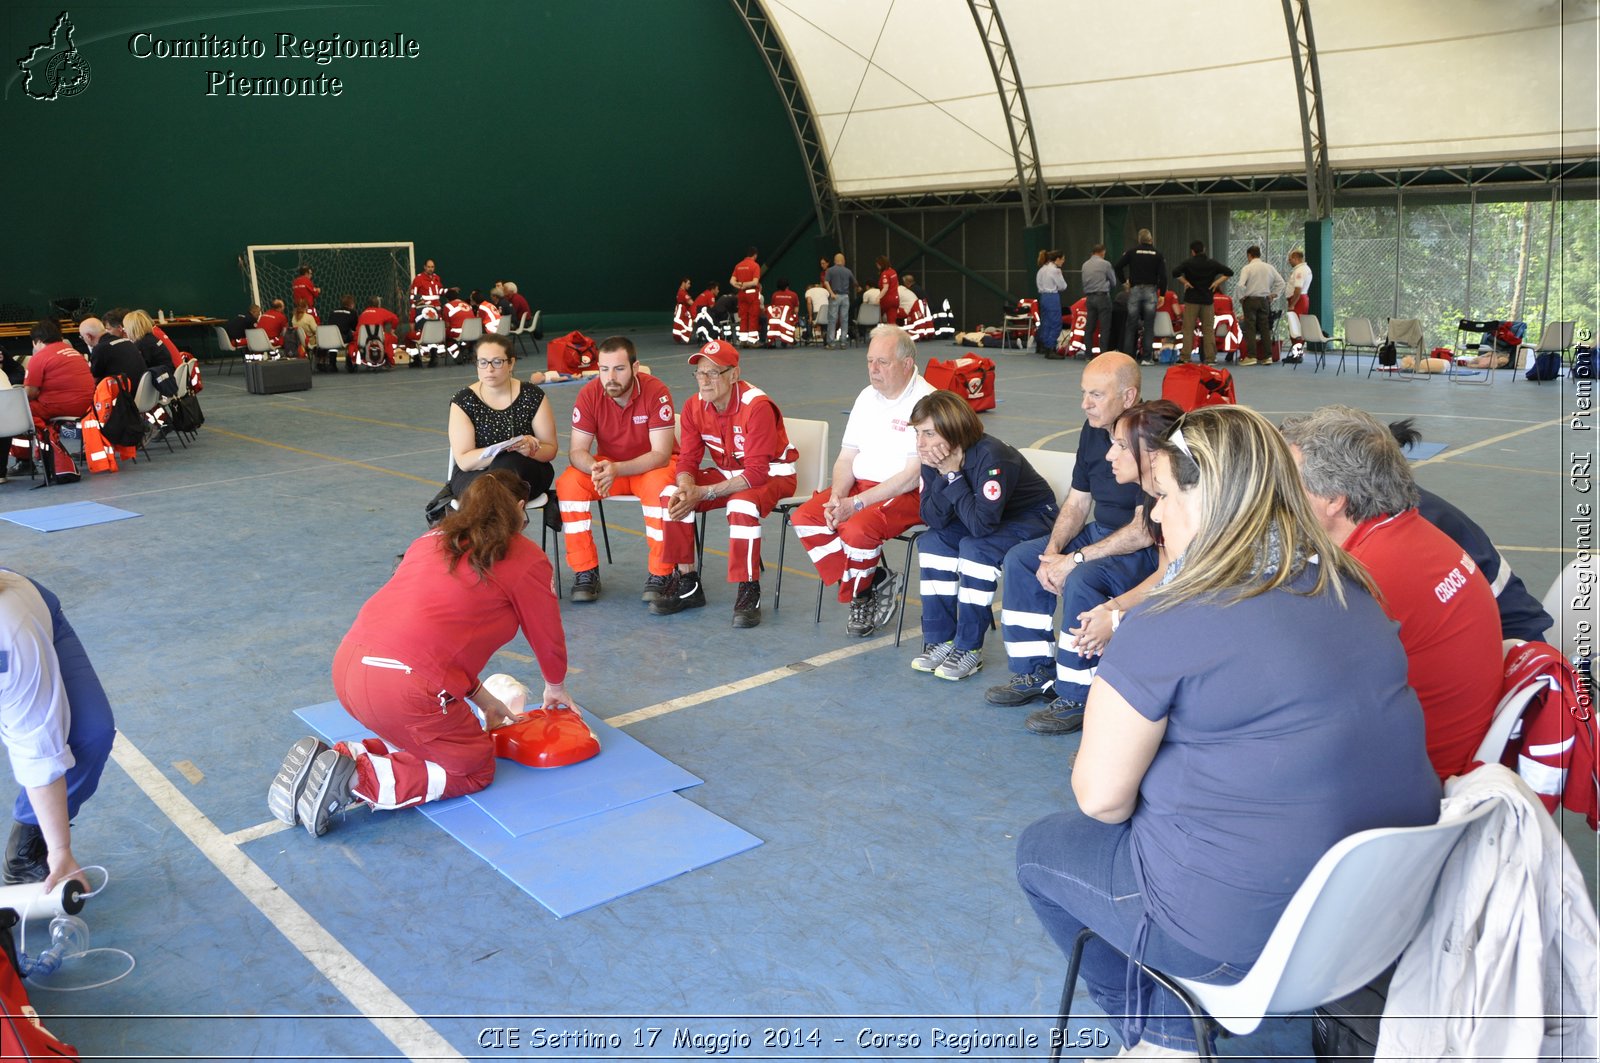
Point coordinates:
pixel 1361 488
pixel 783 314
pixel 751 471
pixel 683 314
pixel 274 322
pixel 888 292
pixel 426 289
pixel 59 384
pixel 746 280
pixel 622 442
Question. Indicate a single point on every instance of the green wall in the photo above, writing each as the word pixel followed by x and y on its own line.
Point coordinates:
pixel 592 151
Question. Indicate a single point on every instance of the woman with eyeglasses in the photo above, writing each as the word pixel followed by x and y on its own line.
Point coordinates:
pixel 1250 713
pixel 410 664
pixel 501 422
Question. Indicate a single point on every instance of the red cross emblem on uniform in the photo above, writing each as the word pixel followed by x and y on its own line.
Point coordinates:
pixel 991 490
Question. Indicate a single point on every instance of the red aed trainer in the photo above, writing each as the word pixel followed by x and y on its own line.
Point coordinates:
pixel 546 738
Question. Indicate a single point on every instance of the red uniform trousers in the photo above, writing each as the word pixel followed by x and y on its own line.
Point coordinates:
pixel 750 317
pixel 848 554
pixel 745 510
pixel 682 323
pixel 576 495
pixel 424 752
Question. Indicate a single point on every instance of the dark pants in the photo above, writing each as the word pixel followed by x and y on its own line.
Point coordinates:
pixel 538 475
pixel 1257 321
pixel 1097 315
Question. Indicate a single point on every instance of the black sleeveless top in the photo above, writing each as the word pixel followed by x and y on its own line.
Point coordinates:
pixel 490 426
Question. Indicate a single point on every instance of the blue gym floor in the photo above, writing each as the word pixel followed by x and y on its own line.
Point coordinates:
pixel 883 897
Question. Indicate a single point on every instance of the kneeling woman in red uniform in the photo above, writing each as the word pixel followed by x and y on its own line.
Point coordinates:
pixel 410 665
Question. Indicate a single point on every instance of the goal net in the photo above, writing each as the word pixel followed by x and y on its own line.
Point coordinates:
pixel 361 270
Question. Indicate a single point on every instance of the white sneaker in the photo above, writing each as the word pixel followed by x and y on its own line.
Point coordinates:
pixel 932 656
pixel 960 664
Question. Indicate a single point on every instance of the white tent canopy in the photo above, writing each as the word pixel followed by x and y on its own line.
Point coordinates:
pixel 906 101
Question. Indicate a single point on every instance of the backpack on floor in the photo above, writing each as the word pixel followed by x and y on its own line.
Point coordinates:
pixel 123 425
pixel 372 352
pixel 1546 366
pixel 971 377
pixel 1193 385
pixel 572 353
pixel 1388 354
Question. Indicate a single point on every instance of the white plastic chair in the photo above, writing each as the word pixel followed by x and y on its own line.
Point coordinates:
pixel 1162 331
pixel 1576 583
pixel 1507 716
pixel 466 342
pixel 1054 465
pixel 810 439
pixel 1358 334
pixel 1354 914
pixel 147 397
pixel 1311 332
pixel 431 341
pixel 258 344
pixel 16 422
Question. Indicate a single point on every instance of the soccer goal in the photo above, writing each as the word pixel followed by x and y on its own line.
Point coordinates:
pixel 361 270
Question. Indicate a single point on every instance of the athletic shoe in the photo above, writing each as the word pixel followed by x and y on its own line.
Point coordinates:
pixel 747 604
pixel 586 585
pixel 1021 689
pixel 960 665
pixel 932 656
pixel 27 854
pixel 1250 361
pixel 1292 359
pixel 290 782
pixel 860 623
pixel 884 600
pixel 683 591
pixel 327 790
pixel 653 587
pixel 1060 717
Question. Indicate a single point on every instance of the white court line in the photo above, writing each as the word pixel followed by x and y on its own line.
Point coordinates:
pixel 664 707
pixel 382 1007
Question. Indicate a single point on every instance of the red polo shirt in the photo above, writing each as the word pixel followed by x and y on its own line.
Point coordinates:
pixel 623 432
pixel 1449 626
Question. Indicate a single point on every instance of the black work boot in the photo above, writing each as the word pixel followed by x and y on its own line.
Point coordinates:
pixel 682 592
pixel 27 855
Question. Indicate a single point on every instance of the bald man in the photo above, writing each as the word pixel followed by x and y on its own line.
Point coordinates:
pixel 1083 562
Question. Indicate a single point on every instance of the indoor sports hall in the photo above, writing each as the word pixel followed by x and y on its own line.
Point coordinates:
pixel 815 857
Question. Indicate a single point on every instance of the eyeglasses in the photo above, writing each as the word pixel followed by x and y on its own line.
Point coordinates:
pixel 708 374
pixel 492 363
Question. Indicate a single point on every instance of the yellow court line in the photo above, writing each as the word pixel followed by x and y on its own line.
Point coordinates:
pixel 1538 549
pixel 1505 468
pixel 366 420
pixel 1501 438
pixel 325 457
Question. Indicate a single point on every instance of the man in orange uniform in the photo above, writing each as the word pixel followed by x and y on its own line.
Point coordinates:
pixel 622 443
pixel 751 471
pixel 746 280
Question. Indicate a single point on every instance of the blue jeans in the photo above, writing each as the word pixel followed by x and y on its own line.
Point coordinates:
pixel 838 317
pixel 1049 321
pixel 92 728
pixel 1141 327
pixel 1078 872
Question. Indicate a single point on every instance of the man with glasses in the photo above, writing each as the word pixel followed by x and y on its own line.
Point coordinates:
pixel 752 470
pixel 622 444
pixel 874 495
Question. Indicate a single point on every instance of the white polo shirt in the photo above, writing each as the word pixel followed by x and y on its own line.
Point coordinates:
pixel 34 716
pixel 879 431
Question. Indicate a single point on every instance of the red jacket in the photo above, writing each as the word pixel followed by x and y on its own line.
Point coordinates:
pixel 1555 751
pixel 272 323
pixel 427 288
pixel 748 437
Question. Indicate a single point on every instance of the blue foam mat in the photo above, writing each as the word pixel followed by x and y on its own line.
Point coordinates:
pixel 583 863
pixel 1423 451
pixel 67 515
pixel 584 834
pixel 522 799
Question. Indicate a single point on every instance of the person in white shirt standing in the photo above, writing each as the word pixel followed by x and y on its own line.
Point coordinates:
pixel 1257 287
pixel 1298 302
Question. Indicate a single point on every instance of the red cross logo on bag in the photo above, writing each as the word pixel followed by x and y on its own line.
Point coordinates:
pixel 974 387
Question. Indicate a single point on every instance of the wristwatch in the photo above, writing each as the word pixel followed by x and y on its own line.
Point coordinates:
pixel 951 477
pixel 1077 557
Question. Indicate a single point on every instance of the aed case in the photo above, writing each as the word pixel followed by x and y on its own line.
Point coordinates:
pixel 546 738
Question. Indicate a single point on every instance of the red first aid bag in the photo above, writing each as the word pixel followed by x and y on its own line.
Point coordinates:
pixel 971 377
pixel 1194 385
pixel 572 353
